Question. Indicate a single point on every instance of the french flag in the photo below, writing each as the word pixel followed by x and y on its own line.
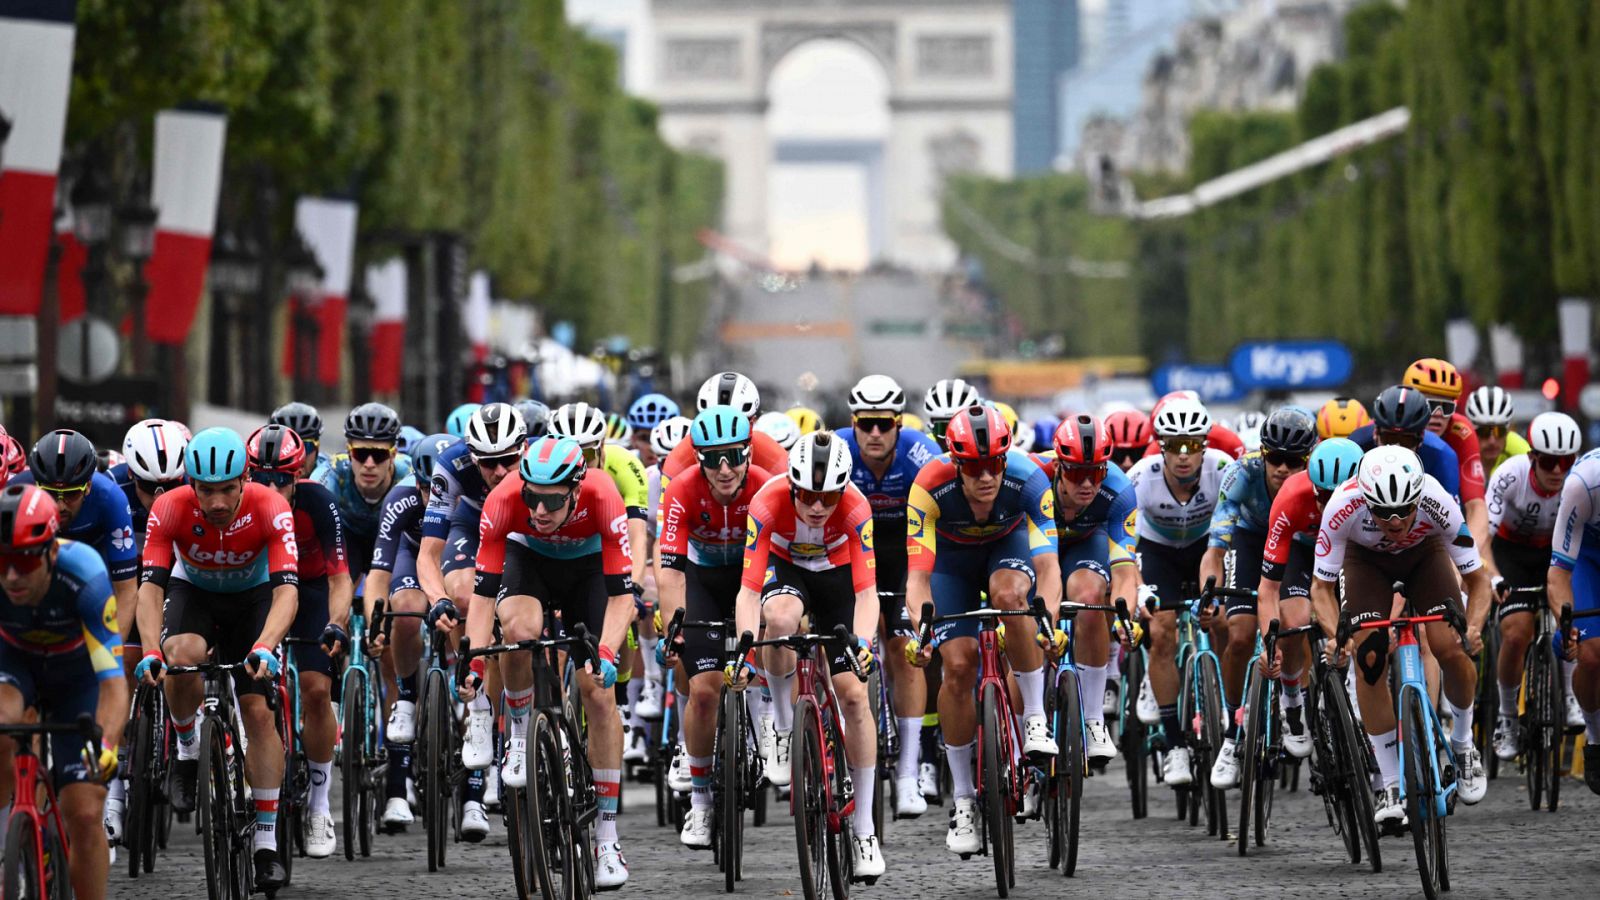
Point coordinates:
pixel 1575 316
pixel 386 285
pixel 329 229
pixel 188 180
pixel 475 322
pixel 36 38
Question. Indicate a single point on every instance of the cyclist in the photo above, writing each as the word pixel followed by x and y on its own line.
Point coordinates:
pixel 1394 522
pixel 1094 504
pixel 1490 410
pixel 1400 417
pixel 643 416
pixel 981 517
pixel 1130 435
pixel 779 427
pixel 61 655
pixel 13 458
pixel 1233 557
pixel 805 418
pixel 1220 437
pixel 809 549
pixel 273 455
pixel 664 437
pixel 739 392
pixel 553 540
pixel 361 477
pixel 588 426
pixel 1340 416
pixel 1441 384
pixel 703 519
pixel 1177 493
pixel 947 398
pixel 221 573
pixel 456 422
pixel 885 460
pixel 1574 579
pixel 1523 500
pixel 304 420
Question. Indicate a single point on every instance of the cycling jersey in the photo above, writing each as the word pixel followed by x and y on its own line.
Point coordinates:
pixel 695 528
pixel 1437 458
pixel 1242 500
pixel 1220 437
pixel 257 547
pixel 1577 527
pixel 140 516
pixel 104 522
pixel 1293 519
pixel 1518 511
pixel 1463 439
pixel 77 615
pixel 887 496
pixel 399 527
pixel 1111 514
pixel 360 515
pixel 764 452
pixel 652 480
pixel 1163 518
pixel 319 532
pixel 457 484
pixel 597 525
pixel 1516 445
pixel 1345 521
pixel 774 529
pixel 938 510
pixel 627 473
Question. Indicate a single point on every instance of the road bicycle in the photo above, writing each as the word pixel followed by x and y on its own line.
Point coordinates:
pixel 1202 706
pixel 1260 752
pixel 437 758
pixel 363 760
pixel 145 766
pixel 1342 764
pixel 37 860
pixel 295 795
pixel 1138 744
pixel 1544 709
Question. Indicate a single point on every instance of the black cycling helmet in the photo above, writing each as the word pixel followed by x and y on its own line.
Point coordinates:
pixel 1289 430
pixel 1401 408
pixel 63 458
pixel 537 417
pixel 301 418
pixel 372 422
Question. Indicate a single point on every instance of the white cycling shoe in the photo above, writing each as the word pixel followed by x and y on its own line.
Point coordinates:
pixel 397 813
pixel 474 822
pixel 1225 770
pixel 678 778
pixel 477 749
pixel 610 869
pixel 1037 739
pixel 402 727
pixel 1175 768
pixel 868 858
pixel 1098 745
pixel 514 771
pixel 1471 782
pixel 778 761
pixel 962 836
pixel 1148 711
pixel 909 802
pixel 697 829
pixel 649 705
pixel 320 842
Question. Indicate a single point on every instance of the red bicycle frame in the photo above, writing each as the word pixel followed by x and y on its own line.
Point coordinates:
pixel 25 811
pixel 822 701
pixel 992 669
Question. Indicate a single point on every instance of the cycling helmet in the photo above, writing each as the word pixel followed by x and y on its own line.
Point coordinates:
pixel 616 428
pixel 28 518
pixel 779 427
pixel 1289 430
pixel 1340 416
pixel 425 452
pixel 581 422
pixel 553 460
pixel 372 422
pixel 651 410
pixel 1249 419
pixel 275 448
pixel 409 435
pixel 666 436
pixel 302 417
pixel 1401 408
pixel 1181 417
pixel 106 459
pixel 494 429
pixel 948 397
pixel 729 389
pixel 978 432
pixel 720 425
pixel 215 455
pixel 805 418
pixel 536 416
pixel 877 392
pixel 1010 415
pixel 13 458
pixel 1554 434
pixel 1128 429
pixel 1434 377
pixel 1490 405
pixel 1333 463
pixel 819 462
pixel 1390 476
pixel 456 422
pixel 1082 441
pixel 63 458
pixel 154 450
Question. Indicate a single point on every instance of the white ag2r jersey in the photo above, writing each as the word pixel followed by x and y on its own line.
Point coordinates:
pixel 1345 520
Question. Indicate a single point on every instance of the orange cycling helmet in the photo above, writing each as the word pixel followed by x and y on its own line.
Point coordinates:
pixel 1434 377
pixel 1340 416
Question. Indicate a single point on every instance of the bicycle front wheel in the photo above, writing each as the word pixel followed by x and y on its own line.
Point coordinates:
pixel 1553 720
pixel 731 785
pixel 139 821
pixel 1421 796
pixel 547 846
pixel 1135 736
pixel 1212 711
pixel 997 785
pixel 214 801
pixel 1069 769
pixel 353 763
pixel 438 724
pixel 1250 757
pixel 808 799
pixel 23 879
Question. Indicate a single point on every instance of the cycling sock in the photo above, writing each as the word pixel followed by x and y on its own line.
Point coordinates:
pixel 1174 729
pixel 188 738
pixel 1292 694
pixel 930 720
pixel 960 759
pixel 518 704
pixel 1567 668
pixel 1231 733
pixel 1032 686
pixel 1092 681
pixel 682 700
pixel 700 774
pixel 406 688
pixel 635 688
pixel 1591 725
pixel 652 668
pixel 266 800
pixel 865 780
pixel 760 705
pixel 1461 726
pixel 782 702
pixel 477 783
pixel 116 790
pixel 399 768
pixel 608 794
pixel 321 782
pixel 1386 747
pixel 910 747
pixel 1508 699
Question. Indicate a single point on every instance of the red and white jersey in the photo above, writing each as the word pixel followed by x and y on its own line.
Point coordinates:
pixel 1518 511
pixel 1345 520
pixel 844 540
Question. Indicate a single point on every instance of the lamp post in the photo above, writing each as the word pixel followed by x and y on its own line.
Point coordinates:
pixel 137 222
pixel 302 277
pixel 236 275
pixel 91 225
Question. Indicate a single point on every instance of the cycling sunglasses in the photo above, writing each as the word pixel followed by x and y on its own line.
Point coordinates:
pixel 1080 474
pixel 1406 439
pixel 1392 513
pixel 65 493
pixel 157 488
pixel 977 468
pixel 1446 407
pixel 371 454
pixel 1182 446
pixel 505 461
pixel 714 460
pixel 553 501
pixel 1491 431
pixel 1281 459
pixel 26 562
pixel 1126 455
pixel 272 479
pixel 880 424
pixel 803 497
pixel 1551 462
pixel 937 429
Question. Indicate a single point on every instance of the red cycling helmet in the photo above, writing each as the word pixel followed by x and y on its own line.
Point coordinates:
pixel 275 448
pixel 1083 441
pixel 978 432
pixel 13 458
pixel 1128 429
pixel 28 519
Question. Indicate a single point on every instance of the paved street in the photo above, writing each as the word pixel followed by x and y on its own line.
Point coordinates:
pixel 1498 848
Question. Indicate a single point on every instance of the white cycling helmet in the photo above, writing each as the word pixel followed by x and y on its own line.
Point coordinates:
pixel 779 427
pixel 669 433
pixel 1390 476
pixel 1248 420
pixel 1554 434
pixel 495 429
pixel 1182 417
pixel 581 422
pixel 154 450
pixel 1490 405
pixel 947 397
pixel 819 461
pixel 729 389
pixel 877 392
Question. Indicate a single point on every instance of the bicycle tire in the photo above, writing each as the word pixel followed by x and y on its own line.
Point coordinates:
pixel 352 758
pixel 1212 711
pixel 1135 737
pixel 1357 767
pixel 139 819
pixel 1554 722
pixel 287 830
pixel 515 818
pixel 882 720
pixel 57 873
pixel 1070 757
pixel 996 788
pixel 1488 699
pixel 1329 757
pixel 1270 759
pixel 1536 727
pixel 435 755
pixel 547 845
pixel 841 842
pixel 808 799
pixel 581 809
pixel 1416 764
pixel 214 807
pixel 730 785
pixel 21 881
pixel 1249 756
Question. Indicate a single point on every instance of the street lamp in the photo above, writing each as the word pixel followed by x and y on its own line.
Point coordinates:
pixel 236 276
pixel 91 210
pixel 137 223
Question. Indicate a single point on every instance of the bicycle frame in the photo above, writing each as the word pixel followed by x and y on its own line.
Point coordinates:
pixel 1413 681
pixel 27 769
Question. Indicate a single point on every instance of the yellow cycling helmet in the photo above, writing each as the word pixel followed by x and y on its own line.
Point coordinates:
pixel 1435 378
pixel 913 422
pixel 616 428
pixel 806 418
pixel 1007 413
pixel 1340 416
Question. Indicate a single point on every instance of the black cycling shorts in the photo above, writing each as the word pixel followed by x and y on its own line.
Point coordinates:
pixel 709 595
pixel 309 620
pixel 1521 566
pixel 229 623
pixel 829 598
pixel 1242 569
pixel 573 590
pixel 1170 569
pixel 1297 574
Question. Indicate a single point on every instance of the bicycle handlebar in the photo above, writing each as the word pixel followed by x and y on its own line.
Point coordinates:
pixel 84 726
pixel 1035 610
pixel 586 647
pixel 802 643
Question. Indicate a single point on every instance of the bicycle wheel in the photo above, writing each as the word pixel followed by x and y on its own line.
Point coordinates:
pixel 1328 756
pixel 997 783
pixel 353 760
pixel 883 721
pixel 515 817
pixel 1135 737
pixel 730 785
pixel 1537 728
pixel 58 878
pixel 139 819
pixel 1069 769
pixel 1421 806
pixel 288 833
pixel 1488 699
pixel 808 799
pixel 437 725
pixel 23 880
pixel 214 802
pixel 1553 719
pixel 1357 766
pixel 547 844
pixel 1251 770
pixel 841 840
pixel 1212 711
pixel 1190 798
pixel 1270 757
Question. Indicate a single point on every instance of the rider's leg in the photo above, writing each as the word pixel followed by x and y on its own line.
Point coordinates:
pixel 83 807
pixel 958 717
pixel 1091 639
pixel 263 760
pixel 781 608
pixel 1010 589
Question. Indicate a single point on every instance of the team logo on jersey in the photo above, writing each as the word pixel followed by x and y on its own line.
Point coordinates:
pixel 122 538
pixel 1131 523
pixel 199 530
pixel 108 618
pixel 864 531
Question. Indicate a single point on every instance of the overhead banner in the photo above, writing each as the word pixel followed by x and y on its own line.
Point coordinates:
pixel 1290 365
pixel 188 180
pixel 1214 384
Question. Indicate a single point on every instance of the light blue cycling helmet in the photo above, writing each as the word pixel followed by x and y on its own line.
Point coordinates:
pixel 409 436
pixel 456 424
pixel 425 451
pixel 552 460
pixel 1334 462
pixel 719 425
pixel 214 455
pixel 651 410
